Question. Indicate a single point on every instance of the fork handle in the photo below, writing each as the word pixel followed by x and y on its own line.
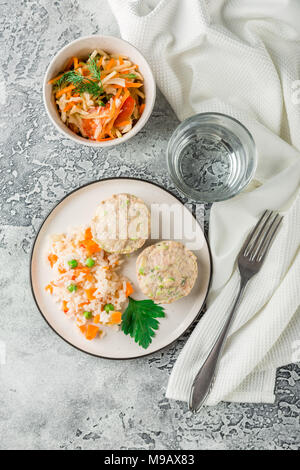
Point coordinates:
pixel 204 379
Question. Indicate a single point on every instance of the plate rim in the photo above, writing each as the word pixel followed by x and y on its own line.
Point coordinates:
pixel 32 253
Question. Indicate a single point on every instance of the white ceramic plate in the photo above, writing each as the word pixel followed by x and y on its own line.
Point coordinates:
pixel 76 209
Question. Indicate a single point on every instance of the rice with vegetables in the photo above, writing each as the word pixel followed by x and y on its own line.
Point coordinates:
pixel 86 285
pixel 100 98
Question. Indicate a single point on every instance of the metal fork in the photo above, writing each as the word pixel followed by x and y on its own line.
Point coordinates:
pixel 250 260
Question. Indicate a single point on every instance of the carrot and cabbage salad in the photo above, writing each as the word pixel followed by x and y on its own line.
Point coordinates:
pixel 86 284
pixel 101 98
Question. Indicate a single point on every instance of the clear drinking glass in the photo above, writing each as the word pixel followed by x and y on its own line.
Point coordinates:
pixel 211 157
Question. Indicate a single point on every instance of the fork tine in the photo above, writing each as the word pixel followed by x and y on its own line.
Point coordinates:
pixel 254 235
pixel 267 230
pixel 268 239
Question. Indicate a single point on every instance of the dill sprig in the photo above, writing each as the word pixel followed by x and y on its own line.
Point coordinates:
pixel 92 85
pixel 95 70
pixel 87 85
pixel 67 77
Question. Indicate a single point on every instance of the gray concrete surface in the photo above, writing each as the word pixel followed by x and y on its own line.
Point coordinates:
pixel 53 396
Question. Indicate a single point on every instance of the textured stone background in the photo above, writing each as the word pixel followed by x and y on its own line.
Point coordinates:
pixel 52 396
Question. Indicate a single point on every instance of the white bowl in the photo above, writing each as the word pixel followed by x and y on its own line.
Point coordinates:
pixel 82 47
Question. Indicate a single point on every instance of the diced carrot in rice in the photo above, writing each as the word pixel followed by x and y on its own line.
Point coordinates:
pixel 129 289
pixel 90 293
pixel 49 288
pixel 91 332
pixel 116 317
pixel 52 259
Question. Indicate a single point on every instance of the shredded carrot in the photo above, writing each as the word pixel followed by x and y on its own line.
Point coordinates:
pixel 69 106
pixel 130 71
pixel 125 96
pixel 121 60
pixel 75 60
pixel 55 79
pixel 142 107
pixel 90 293
pixel 116 317
pixel 69 63
pixel 129 289
pixel 105 139
pixel 109 126
pixel 96 318
pixel 64 306
pixel 64 90
pixel 52 259
pixel 91 332
pixel 100 61
pixel 110 64
pixel 118 93
pixel 133 85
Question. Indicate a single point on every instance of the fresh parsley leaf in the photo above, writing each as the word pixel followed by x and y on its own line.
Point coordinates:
pixel 139 320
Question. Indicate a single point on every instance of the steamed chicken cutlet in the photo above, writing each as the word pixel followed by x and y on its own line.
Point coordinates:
pixel 121 224
pixel 166 271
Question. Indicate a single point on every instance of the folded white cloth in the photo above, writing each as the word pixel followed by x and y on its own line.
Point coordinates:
pixel 240 58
